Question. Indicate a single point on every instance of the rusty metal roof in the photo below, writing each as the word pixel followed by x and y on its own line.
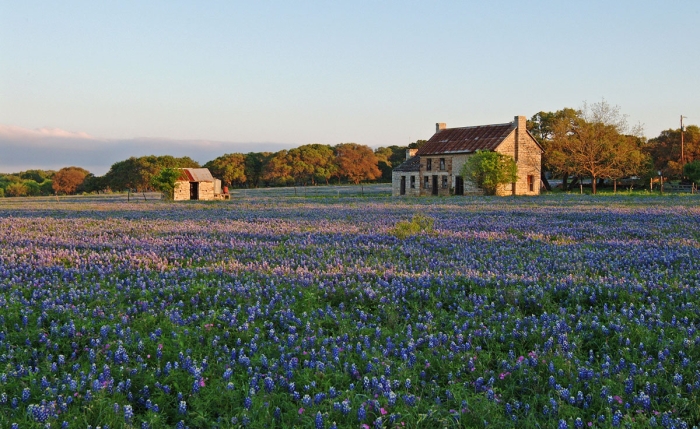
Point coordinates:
pixel 197 175
pixel 411 164
pixel 467 139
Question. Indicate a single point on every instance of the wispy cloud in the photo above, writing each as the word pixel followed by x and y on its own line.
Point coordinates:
pixel 54 148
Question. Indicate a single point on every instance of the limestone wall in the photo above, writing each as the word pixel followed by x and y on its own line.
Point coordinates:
pixel 396 183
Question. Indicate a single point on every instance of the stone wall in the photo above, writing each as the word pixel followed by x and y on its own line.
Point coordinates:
pixel 396 183
pixel 182 191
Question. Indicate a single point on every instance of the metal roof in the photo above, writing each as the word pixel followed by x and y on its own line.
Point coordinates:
pixel 467 139
pixel 410 165
pixel 198 175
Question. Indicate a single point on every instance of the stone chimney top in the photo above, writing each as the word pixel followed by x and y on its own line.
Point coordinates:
pixel 410 153
pixel 440 126
pixel 521 122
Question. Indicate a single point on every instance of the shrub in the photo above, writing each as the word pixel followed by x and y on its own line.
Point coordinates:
pixel 489 170
pixel 418 224
pixel 16 190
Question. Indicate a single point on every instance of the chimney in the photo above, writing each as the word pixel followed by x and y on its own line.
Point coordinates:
pixel 440 126
pixel 520 132
pixel 521 122
pixel 410 153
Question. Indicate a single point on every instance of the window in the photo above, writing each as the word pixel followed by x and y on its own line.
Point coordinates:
pixel 428 164
pixel 444 182
pixel 413 182
pixel 531 182
pixel 442 164
pixel 426 184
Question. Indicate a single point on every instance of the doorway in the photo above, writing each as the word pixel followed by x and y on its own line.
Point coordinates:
pixel 194 190
pixel 435 185
pixel 403 185
pixel 459 185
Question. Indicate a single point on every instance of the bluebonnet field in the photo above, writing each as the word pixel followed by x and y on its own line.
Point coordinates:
pixel 561 312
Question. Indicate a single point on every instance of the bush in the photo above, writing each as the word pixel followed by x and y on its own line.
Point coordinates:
pixel 418 224
pixel 489 170
pixel 16 190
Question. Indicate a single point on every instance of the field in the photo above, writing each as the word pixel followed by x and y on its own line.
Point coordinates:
pixel 265 312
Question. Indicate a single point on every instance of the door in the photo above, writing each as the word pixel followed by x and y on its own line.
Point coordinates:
pixel 435 185
pixel 194 190
pixel 459 185
pixel 403 185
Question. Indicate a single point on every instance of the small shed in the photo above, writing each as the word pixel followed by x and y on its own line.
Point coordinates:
pixel 196 184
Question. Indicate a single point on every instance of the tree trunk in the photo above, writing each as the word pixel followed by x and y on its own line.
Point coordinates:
pixel 545 182
pixel 594 183
pixel 614 186
pixel 565 182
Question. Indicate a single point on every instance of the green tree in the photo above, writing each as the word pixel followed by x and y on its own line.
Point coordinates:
pixel 230 168
pixel 255 167
pixel 16 189
pixel 488 170
pixel 165 180
pixel 692 171
pixel 312 163
pixel 389 158
pixel 593 142
pixel 33 188
pixel 666 149
pixel 278 170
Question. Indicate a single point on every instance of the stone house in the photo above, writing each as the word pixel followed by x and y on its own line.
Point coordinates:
pixel 435 168
pixel 196 184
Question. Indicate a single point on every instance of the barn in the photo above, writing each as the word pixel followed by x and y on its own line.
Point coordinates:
pixel 196 184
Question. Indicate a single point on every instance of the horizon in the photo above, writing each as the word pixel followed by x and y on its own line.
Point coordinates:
pixel 83 83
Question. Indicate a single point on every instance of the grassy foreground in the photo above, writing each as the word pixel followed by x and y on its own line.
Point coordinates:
pixel 564 312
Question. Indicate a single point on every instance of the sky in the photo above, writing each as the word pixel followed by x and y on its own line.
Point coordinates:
pixel 90 83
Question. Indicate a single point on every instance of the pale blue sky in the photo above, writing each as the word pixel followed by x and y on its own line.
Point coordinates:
pixel 265 75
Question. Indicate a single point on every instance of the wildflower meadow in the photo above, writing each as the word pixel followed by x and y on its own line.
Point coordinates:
pixel 560 311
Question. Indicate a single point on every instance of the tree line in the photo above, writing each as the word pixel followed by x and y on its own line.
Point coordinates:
pixel 594 142
pixel 597 143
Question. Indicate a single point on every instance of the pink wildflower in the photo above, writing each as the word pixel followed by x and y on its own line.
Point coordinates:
pixel 301 410
pixel 382 410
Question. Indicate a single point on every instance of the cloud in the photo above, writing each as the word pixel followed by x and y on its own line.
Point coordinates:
pixel 53 148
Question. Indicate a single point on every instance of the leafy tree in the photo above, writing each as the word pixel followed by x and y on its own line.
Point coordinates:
pixel 230 168
pixel 67 180
pixel 666 149
pixel 33 188
pixel 417 144
pixel 596 142
pixel 278 169
pixel 46 187
pixel 692 171
pixel 356 162
pixel 136 173
pixel 389 158
pixel 550 130
pixel 312 163
pixel 488 170
pixel 255 167
pixel 165 180
pixel 36 175
pixel 16 189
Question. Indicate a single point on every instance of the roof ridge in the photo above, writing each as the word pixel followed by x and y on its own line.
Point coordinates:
pixel 477 126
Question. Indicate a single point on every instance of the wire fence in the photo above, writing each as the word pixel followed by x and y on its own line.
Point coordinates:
pixel 370 190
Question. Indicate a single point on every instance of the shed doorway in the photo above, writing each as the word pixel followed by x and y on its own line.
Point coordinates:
pixel 194 190
pixel 403 185
pixel 459 185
